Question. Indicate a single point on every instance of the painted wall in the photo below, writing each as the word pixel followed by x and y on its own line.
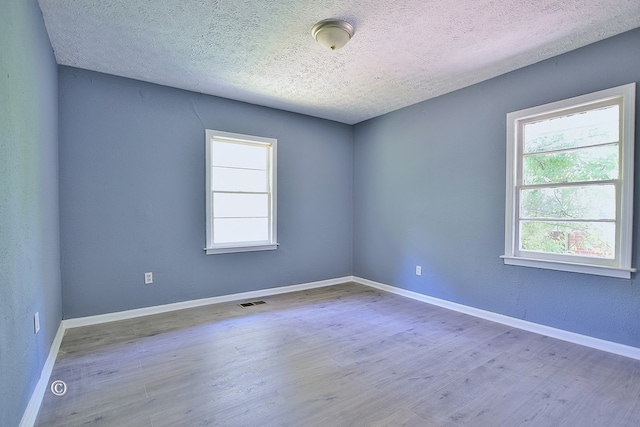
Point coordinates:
pixel 29 243
pixel 132 195
pixel 429 189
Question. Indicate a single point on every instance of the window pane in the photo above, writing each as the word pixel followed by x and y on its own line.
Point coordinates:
pixel 585 164
pixel 240 205
pixel 582 129
pixel 225 179
pixel 583 202
pixel 241 230
pixel 594 239
pixel 239 155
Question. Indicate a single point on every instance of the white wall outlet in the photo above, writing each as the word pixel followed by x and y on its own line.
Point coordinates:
pixel 418 270
pixel 36 322
pixel 148 278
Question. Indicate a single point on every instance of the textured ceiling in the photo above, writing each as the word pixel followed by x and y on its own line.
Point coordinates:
pixel 262 52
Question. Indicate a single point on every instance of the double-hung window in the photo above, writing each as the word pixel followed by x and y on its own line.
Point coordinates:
pixel 240 193
pixel 569 199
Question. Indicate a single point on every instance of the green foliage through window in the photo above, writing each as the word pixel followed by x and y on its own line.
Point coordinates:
pixel 556 215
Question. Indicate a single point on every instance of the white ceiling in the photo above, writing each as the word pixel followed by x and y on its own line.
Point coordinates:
pixel 262 52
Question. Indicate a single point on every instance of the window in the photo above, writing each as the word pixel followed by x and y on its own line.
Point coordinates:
pixel 241 193
pixel 569 201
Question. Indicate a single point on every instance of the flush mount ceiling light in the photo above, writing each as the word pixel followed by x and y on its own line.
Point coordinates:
pixel 332 33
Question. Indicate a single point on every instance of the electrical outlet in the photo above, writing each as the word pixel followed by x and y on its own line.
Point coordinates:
pixel 418 270
pixel 36 322
pixel 148 278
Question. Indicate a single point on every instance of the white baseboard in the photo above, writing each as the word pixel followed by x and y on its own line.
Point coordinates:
pixel 599 344
pixel 31 412
pixel 147 311
pixel 33 407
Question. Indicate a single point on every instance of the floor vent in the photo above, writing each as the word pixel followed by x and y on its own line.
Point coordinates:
pixel 249 304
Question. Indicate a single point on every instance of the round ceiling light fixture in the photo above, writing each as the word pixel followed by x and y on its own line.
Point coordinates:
pixel 332 33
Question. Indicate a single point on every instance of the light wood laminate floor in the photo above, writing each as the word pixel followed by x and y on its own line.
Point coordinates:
pixel 344 355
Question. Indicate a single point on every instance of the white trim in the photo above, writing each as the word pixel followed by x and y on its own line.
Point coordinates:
pixel 238 137
pixel 598 270
pixel 626 174
pixel 147 311
pixel 271 150
pixel 620 267
pixel 31 412
pixel 572 337
pixel 248 248
pixel 33 407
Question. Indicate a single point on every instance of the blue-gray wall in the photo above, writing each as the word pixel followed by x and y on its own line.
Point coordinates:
pixel 29 243
pixel 429 189
pixel 132 195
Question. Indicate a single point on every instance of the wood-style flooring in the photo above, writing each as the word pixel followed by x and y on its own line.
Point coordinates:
pixel 345 355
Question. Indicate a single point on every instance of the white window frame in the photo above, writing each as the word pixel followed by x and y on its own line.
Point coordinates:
pixel 271 145
pixel 619 267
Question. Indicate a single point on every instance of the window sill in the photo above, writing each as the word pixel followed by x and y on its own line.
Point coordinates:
pixel 598 270
pixel 234 249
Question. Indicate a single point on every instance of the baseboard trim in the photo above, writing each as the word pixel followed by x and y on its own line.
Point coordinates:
pixel 585 340
pixel 33 407
pixel 147 311
pixel 31 412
